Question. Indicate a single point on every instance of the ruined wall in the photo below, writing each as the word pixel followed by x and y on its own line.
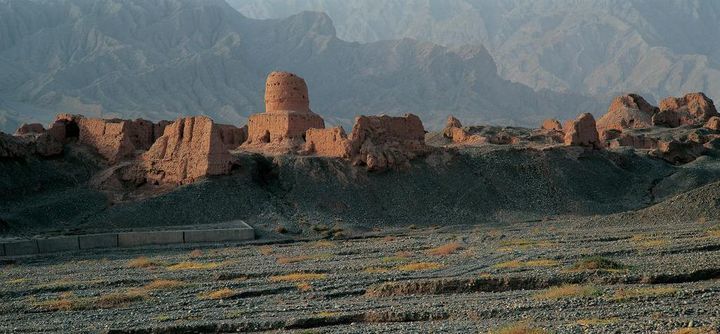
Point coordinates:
pixel 231 135
pixel 110 138
pixel 190 148
pixel 279 126
pixel 332 142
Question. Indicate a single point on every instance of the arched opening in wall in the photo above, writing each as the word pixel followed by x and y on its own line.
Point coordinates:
pixel 72 130
pixel 265 137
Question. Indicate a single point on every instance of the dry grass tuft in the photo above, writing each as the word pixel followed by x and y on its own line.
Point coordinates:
pixel 265 250
pixel 527 264
pixel 519 328
pixel 323 244
pixel 646 242
pixel 568 291
pixel 164 284
pixel 193 266
pixel 65 302
pixel 297 277
pixel 68 301
pixel 376 270
pixel 446 249
pixel 695 330
pixel 389 238
pixel 420 266
pixel 327 314
pixel 142 262
pixel 714 233
pixel 118 299
pixel 596 321
pixel 223 293
pixel 196 253
pixel 597 263
pixel 17 281
pixel 653 291
pixel 304 286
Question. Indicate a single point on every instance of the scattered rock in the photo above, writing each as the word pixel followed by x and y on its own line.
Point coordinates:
pixel 12 147
pixel 678 152
pixel 628 111
pixel 635 141
pixel 582 132
pixel 34 128
pixel 713 123
pixel 691 109
pixel 551 125
pixel 451 126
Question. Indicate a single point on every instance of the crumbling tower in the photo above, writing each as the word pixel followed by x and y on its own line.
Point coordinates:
pixel 281 128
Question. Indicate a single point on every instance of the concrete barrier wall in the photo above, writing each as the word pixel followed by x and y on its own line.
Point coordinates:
pixel 126 239
pixel 28 247
pixel 60 244
pixel 219 235
pixel 134 239
pixel 93 241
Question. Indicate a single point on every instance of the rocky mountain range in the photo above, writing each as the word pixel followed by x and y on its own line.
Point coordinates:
pixel 595 47
pixel 161 59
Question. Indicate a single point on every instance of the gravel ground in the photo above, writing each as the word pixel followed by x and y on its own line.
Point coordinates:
pixel 558 276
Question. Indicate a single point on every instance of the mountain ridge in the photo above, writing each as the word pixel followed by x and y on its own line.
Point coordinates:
pixel 164 59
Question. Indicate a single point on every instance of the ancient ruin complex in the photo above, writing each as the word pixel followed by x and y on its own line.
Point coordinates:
pixel 190 148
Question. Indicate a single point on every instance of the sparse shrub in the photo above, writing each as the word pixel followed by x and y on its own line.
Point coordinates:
pixel 568 291
pixel 281 229
pixel 297 277
pixel 389 238
pixel 223 293
pixel 446 249
pixel 597 263
pixel 519 328
pixel 420 266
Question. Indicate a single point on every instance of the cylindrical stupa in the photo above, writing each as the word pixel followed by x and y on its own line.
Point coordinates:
pixel 286 91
